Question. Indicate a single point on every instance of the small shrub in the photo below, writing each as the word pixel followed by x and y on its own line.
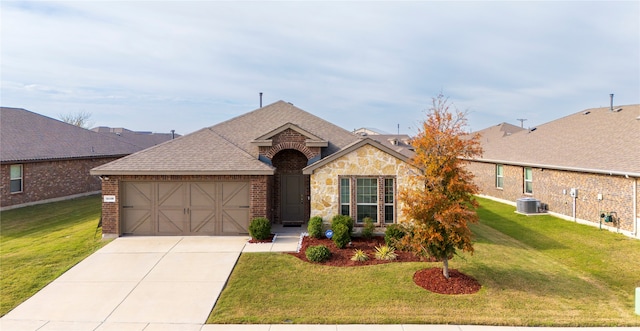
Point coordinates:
pixel 369 227
pixel 359 255
pixel 260 228
pixel 393 234
pixel 318 253
pixel 342 219
pixel 385 253
pixel 315 227
pixel 341 235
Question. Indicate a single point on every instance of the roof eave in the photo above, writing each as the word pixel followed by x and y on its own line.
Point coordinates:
pixel 308 170
pixel 558 167
pixel 100 172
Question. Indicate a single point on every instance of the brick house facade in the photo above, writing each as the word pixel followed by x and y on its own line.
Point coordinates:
pixel 260 164
pixel 597 193
pixel 595 152
pixel 48 181
pixel 43 159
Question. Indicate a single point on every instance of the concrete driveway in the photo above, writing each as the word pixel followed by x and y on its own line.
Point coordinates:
pixel 134 283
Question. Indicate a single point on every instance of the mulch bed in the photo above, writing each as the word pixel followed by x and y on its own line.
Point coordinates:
pixel 433 280
pixel 262 241
pixel 430 279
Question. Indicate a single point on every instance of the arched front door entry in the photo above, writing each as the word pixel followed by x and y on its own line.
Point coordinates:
pixel 292 187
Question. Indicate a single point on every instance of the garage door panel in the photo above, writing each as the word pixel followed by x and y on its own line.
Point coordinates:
pixel 203 195
pixel 171 195
pixel 235 194
pixel 171 222
pixel 137 222
pixel 235 221
pixel 235 207
pixel 203 222
pixel 136 208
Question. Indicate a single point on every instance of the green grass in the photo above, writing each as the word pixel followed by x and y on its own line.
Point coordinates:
pixel 535 271
pixel 39 243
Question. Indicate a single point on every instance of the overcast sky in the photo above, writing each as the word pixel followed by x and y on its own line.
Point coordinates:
pixel 162 65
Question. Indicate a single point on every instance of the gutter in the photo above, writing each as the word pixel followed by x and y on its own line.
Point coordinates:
pixel 555 167
pixel 635 208
pixel 181 173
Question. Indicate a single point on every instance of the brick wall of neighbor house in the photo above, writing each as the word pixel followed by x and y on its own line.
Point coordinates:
pixel 366 161
pixel 260 205
pixel 553 186
pixel 51 180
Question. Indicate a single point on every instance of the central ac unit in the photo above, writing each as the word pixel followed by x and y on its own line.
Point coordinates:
pixel 527 205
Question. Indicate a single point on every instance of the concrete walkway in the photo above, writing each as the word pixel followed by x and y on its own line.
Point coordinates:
pixel 135 283
pixel 163 283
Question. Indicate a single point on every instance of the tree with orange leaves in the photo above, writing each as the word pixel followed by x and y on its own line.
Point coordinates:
pixel 439 201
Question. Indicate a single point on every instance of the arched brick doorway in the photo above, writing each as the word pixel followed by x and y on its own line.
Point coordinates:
pixel 291 187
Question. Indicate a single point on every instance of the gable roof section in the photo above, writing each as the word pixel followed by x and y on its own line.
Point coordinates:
pixel 312 140
pixel 244 129
pixel 596 140
pixel 351 148
pixel 27 136
pixel 203 152
pixel 226 148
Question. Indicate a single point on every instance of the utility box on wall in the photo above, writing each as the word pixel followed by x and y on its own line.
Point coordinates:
pixel 573 192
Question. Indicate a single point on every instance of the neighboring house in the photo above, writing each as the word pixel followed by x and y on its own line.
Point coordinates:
pixel 141 139
pixel 579 167
pixel 368 131
pixel 278 162
pixel 44 160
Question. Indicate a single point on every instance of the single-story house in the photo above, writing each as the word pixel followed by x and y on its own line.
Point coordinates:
pixel 278 162
pixel 579 167
pixel 43 159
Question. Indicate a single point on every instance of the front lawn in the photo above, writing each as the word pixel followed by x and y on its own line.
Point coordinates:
pixel 535 271
pixel 39 243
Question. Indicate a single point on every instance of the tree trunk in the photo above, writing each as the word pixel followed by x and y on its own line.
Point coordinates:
pixel 445 267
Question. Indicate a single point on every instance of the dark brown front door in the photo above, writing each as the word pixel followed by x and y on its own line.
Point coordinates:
pixel 292 198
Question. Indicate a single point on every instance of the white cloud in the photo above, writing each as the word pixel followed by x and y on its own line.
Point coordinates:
pixel 354 63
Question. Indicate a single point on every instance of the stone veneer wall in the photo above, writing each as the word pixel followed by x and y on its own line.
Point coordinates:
pixel 366 161
pixel 552 187
pixel 259 206
pixel 51 180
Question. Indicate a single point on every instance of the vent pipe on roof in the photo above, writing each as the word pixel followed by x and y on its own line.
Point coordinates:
pixel 173 134
pixel 611 95
pixel 260 99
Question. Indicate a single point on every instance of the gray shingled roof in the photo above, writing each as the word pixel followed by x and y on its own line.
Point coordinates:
pixel 203 152
pixel 226 148
pixel 141 139
pixel 243 129
pixel 595 140
pixel 399 143
pixel 27 136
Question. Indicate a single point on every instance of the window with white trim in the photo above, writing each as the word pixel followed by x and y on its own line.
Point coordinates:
pixel 528 180
pixel 15 178
pixel 499 176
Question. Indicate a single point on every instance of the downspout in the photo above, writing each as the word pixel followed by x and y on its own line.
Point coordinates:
pixel 635 207
pixel 574 207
